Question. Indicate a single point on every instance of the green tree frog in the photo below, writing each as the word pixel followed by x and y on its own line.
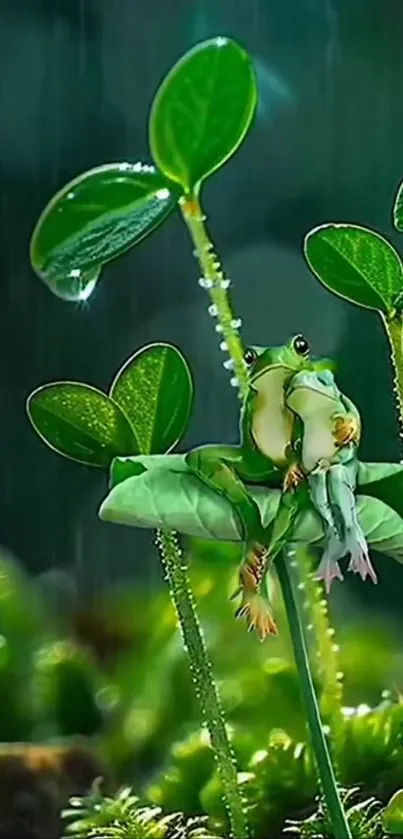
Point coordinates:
pixel 331 468
pixel 263 456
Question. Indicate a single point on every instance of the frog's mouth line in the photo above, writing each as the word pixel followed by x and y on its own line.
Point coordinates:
pixel 298 388
pixel 269 372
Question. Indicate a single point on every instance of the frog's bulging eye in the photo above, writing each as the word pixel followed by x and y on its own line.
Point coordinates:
pixel 249 356
pixel 300 345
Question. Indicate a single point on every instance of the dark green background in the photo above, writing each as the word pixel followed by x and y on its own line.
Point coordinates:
pixel 76 79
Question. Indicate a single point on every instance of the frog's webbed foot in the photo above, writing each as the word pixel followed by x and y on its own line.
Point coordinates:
pixel 346 430
pixel 254 606
pixel 258 614
pixel 293 477
pixel 329 569
pixel 360 562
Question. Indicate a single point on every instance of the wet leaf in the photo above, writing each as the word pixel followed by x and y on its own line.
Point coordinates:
pixel 202 111
pixel 94 219
pixel 393 815
pixel 162 493
pixel 357 264
pixel 155 390
pixel 81 423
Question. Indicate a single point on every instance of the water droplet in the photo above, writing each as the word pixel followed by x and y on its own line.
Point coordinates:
pixel 162 194
pixel 218 328
pixel 224 346
pixel 234 381
pixel 228 364
pixel 205 283
pixel 225 284
pixel 236 323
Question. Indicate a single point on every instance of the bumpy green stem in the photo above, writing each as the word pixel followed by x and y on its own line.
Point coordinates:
pixel 394 330
pixel 202 675
pixel 326 773
pixel 317 625
pixel 215 283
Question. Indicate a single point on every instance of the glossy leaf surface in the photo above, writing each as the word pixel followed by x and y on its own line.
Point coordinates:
pixel 357 264
pixel 81 423
pixel 202 111
pixel 163 493
pixel 94 219
pixel 155 391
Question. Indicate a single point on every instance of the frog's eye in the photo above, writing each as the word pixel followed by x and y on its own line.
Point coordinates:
pixel 300 345
pixel 249 356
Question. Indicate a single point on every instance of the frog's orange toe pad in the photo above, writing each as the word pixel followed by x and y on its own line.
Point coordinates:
pixel 346 430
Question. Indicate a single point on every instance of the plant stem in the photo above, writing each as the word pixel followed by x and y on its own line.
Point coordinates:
pixel 394 330
pixel 315 617
pixel 326 773
pixel 214 281
pixel 206 689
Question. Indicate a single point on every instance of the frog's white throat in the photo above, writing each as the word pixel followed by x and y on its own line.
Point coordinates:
pixel 272 421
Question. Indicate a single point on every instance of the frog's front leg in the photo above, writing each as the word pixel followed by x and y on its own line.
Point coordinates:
pixel 347 427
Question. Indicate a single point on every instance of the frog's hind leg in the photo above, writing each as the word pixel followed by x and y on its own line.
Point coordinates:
pixel 221 468
pixel 341 482
pixel 256 605
pixel 329 568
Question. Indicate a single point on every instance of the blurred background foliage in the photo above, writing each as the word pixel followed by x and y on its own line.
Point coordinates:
pixel 113 671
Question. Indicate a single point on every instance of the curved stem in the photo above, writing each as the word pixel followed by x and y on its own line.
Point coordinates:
pixel 394 330
pixel 202 675
pixel 326 773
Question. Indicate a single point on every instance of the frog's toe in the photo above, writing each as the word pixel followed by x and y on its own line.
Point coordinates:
pixel 328 571
pixel 259 617
pixel 293 478
pixel 345 431
pixel 360 563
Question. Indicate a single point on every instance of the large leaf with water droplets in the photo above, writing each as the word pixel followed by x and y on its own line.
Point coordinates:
pixel 357 264
pixel 202 111
pixel 94 219
pixel 162 492
pixel 81 423
pixel 155 390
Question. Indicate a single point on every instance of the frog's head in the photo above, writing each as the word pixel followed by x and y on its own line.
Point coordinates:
pixel 286 361
pixel 318 381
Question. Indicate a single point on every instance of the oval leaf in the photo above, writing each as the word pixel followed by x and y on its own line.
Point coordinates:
pixel 155 390
pixel 357 264
pixel 94 219
pixel 392 818
pixel 398 209
pixel 202 111
pixel 81 423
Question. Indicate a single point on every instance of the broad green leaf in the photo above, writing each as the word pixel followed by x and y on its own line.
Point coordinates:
pixel 94 219
pixel 202 111
pixel 357 264
pixel 393 815
pixel 155 390
pixel 398 209
pixel 162 493
pixel 81 423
